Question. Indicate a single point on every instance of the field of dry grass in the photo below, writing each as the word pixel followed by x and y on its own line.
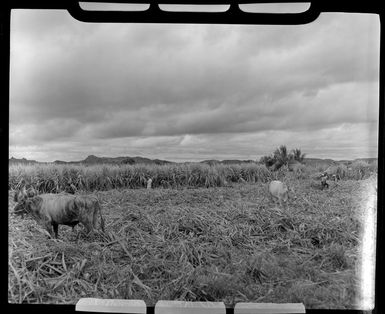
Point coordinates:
pixel 51 178
pixel 227 243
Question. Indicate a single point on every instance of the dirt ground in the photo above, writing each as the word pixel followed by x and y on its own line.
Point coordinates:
pixel 229 244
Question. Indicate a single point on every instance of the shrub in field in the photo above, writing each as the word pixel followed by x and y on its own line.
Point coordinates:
pixel 340 171
pixel 300 172
pixel 361 170
pixel 254 173
pixel 358 170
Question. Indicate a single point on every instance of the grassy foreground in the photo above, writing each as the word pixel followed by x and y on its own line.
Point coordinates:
pixel 226 244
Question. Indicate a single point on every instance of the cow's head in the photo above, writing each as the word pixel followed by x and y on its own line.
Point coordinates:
pixel 22 198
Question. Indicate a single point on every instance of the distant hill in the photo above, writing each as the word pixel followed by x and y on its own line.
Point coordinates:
pixel 92 160
pixel 210 162
pixel 319 161
pixel 329 162
pixel 368 160
pixel 13 160
pixel 59 162
pixel 235 161
pixel 226 162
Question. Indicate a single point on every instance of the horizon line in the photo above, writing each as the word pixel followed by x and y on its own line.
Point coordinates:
pixel 167 160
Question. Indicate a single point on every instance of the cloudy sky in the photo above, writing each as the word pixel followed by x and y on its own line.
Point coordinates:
pixel 192 92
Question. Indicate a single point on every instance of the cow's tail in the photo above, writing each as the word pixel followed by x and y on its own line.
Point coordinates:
pixel 101 218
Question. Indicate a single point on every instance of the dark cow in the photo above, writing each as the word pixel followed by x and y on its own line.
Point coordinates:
pixel 324 183
pixel 52 210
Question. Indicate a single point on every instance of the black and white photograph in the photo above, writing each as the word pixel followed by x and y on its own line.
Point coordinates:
pixel 193 162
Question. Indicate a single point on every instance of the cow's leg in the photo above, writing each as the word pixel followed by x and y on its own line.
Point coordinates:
pixel 283 202
pixel 89 228
pixel 87 223
pixel 55 229
pixel 95 220
pixel 48 227
pixel 75 233
pixel 47 224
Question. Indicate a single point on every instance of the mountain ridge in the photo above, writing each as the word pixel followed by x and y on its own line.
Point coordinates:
pixel 92 160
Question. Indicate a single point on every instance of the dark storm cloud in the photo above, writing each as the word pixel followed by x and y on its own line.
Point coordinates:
pixel 81 81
